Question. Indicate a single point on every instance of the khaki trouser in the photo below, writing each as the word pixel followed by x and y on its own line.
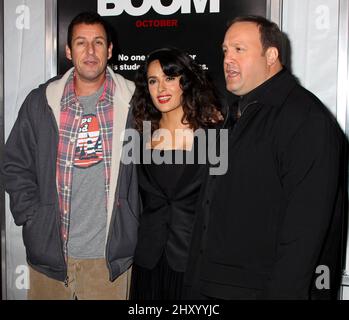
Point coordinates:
pixel 88 280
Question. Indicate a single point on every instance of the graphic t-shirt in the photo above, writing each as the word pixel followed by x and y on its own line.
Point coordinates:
pixel 88 150
pixel 88 217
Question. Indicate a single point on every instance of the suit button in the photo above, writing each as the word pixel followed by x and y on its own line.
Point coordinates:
pixel 207 201
pixel 204 227
pixel 201 251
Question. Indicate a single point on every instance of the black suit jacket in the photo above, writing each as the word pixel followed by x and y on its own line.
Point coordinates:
pixel 167 220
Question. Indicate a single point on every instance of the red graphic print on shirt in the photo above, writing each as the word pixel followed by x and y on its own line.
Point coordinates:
pixel 88 150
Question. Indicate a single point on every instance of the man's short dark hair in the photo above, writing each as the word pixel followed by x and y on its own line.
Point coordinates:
pixel 270 33
pixel 88 17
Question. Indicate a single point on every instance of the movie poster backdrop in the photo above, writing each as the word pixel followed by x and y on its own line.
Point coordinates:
pixel 140 26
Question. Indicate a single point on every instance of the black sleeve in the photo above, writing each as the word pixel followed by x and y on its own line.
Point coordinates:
pixel 310 178
pixel 18 169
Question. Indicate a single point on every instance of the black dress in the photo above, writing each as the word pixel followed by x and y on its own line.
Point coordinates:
pixel 169 194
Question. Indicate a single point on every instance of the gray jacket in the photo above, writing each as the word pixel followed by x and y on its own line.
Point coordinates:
pixel 29 168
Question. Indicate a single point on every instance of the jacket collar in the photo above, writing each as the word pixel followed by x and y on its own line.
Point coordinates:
pixel 55 90
pixel 69 96
pixel 272 92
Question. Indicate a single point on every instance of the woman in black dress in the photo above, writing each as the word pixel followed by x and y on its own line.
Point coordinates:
pixel 175 97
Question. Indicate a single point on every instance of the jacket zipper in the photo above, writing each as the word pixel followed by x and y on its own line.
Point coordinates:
pixel 66 281
pixel 114 210
pixel 249 104
pixel 112 218
pixel 243 115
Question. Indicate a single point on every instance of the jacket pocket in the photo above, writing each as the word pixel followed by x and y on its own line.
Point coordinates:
pixel 41 237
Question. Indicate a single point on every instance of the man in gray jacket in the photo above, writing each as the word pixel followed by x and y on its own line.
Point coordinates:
pixel 77 203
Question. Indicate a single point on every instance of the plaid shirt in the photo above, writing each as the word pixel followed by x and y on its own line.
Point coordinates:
pixel 70 120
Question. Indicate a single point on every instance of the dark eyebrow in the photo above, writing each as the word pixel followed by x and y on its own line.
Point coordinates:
pixel 83 38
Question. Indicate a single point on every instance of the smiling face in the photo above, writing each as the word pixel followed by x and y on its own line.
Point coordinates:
pixel 165 91
pixel 246 65
pixel 89 52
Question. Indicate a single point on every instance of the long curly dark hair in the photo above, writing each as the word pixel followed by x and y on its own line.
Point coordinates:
pixel 200 100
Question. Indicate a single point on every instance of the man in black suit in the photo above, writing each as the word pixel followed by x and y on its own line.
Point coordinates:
pixel 266 227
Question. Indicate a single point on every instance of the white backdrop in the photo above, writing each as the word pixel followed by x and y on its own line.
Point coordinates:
pixel 312 27
pixel 318 30
pixel 24 56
